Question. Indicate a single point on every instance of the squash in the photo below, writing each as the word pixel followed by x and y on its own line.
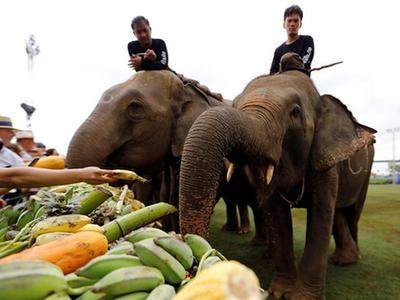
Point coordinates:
pixel 50 162
pixel 69 253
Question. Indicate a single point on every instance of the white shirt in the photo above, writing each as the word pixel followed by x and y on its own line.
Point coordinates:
pixel 9 158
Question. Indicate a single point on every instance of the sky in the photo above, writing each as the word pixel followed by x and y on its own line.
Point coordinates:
pixel 223 44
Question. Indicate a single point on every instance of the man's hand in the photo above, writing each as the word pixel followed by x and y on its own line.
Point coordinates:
pixel 150 55
pixel 94 175
pixel 135 62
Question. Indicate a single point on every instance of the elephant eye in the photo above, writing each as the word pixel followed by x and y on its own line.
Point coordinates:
pixel 136 109
pixel 296 111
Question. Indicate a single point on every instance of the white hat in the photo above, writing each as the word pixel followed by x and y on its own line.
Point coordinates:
pixel 24 134
pixel 5 122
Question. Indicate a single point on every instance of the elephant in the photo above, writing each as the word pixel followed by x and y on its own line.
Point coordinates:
pixel 141 124
pixel 302 149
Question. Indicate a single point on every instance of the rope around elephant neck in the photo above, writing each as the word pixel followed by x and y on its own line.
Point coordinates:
pixel 361 168
pixel 294 203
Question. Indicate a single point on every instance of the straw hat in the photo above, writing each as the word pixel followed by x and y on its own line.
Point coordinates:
pixel 5 122
pixel 24 134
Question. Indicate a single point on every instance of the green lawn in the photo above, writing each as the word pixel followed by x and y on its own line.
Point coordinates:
pixel 375 276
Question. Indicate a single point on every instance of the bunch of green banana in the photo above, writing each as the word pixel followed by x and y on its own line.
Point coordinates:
pixel 178 249
pixel 102 265
pixel 129 280
pixel 155 256
pixel 22 280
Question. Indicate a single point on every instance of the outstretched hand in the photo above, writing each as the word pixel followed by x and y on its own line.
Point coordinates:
pixel 135 62
pixel 95 175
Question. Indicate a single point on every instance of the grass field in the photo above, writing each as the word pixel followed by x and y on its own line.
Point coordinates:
pixel 375 276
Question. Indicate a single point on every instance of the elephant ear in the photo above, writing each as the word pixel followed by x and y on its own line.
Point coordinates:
pixel 190 105
pixel 337 135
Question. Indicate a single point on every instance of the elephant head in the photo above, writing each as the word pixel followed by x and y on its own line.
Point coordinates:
pixel 139 123
pixel 292 140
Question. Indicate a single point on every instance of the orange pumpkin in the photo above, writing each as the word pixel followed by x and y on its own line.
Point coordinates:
pixel 69 253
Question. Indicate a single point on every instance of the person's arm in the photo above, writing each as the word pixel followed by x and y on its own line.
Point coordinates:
pixel 36 177
pixel 161 60
pixel 308 52
pixel 275 62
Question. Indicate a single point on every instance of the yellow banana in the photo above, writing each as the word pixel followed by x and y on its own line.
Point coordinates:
pixel 145 233
pixel 129 280
pixel 49 237
pixel 66 223
pixel 92 227
pixel 152 255
pixel 224 280
pixel 198 245
pixel 178 249
pixel 102 265
pixel 162 292
pixel 127 175
pixel 30 283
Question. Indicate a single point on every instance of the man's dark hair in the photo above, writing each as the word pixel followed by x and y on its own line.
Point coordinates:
pixel 139 19
pixel 293 10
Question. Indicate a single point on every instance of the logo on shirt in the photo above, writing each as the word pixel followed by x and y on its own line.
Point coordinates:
pixel 307 56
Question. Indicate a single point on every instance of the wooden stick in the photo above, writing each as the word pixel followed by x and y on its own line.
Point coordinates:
pixel 326 66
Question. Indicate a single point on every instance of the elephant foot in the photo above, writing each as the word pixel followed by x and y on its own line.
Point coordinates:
pixel 230 227
pixel 258 241
pixel 281 288
pixel 344 257
pixel 244 229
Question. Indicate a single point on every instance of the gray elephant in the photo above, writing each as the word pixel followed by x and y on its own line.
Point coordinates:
pixel 141 124
pixel 302 150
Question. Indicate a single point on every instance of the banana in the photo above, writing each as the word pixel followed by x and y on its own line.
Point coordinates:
pixel 198 245
pixel 209 261
pixel 89 295
pixel 178 249
pixel 145 233
pixel 127 175
pixel 23 284
pixel 152 255
pixel 91 227
pixel 162 292
pixel 74 281
pixel 129 280
pixel 102 265
pixel 30 265
pixel 49 237
pixel 65 223
pixel 133 296
pixel 40 212
pixel 58 296
pixel 122 248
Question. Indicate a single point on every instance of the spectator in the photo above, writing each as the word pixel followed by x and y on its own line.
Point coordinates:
pixel 146 53
pixel 40 149
pixel 300 44
pixel 7 157
pixel 51 151
pixel 25 139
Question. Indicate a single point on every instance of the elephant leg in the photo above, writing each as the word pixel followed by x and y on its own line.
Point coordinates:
pixel 244 218
pixel 346 251
pixel 320 213
pixel 280 232
pixel 260 237
pixel 232 223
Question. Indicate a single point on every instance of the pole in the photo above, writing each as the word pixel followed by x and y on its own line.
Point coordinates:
pixel 393 131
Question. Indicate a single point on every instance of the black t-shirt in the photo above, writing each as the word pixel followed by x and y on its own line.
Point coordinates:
pixel 304 46
pixel 160 49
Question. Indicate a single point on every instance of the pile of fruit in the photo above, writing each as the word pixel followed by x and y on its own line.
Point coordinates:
pixel 61 245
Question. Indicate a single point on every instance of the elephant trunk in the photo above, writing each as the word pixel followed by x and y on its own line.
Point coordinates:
pixel 89 146
pixel 217 133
